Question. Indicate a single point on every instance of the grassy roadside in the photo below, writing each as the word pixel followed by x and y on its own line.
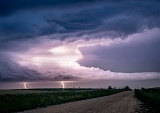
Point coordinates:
pixel 150 98
pixel 20 102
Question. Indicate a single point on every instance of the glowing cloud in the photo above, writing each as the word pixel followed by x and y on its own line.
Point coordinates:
pixel 59 50
pixel 65 57
pixel 62 59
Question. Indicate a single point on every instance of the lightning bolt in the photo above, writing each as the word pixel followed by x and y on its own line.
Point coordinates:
pixel 25 85
pixel 63 86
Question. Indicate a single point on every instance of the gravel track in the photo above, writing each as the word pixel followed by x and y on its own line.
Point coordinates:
pixel 123 102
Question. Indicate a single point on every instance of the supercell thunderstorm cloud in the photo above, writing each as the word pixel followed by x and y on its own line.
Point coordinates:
pixel 79 39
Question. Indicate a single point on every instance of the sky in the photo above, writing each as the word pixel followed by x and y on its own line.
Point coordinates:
pixel 76 40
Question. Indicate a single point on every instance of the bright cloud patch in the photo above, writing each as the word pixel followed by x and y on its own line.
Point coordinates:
pixel 62 59
pixel 87 39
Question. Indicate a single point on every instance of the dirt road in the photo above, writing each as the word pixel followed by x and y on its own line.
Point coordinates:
pixel 123 102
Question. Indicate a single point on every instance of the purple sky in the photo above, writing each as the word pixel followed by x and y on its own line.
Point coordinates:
pixel 64 40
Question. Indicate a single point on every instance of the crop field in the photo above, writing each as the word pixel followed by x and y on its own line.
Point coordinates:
pixel 20 100
pixel 12 92
pixel 150 98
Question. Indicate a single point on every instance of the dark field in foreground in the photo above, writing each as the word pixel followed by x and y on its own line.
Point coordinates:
pixel 150 98
pixel 123 102
pixel 13 102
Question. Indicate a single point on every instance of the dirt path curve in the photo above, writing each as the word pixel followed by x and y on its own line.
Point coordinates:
pixel 123 102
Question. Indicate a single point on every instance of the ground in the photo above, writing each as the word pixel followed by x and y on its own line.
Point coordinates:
pixel 123 102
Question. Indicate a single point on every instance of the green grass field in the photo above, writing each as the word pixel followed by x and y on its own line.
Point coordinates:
pixel 19 100
pixel 12 92
pixel 150 98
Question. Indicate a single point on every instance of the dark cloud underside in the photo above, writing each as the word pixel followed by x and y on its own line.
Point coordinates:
pixel 30 18
pixel 26 24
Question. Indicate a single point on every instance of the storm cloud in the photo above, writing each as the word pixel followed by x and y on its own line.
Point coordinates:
pixel 9 70
pixel 112 38
pixel 138 53
pixel 26 19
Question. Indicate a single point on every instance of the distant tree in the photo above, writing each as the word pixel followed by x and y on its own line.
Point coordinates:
pixel 127 88
pixel 142 88
pixel 109 87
